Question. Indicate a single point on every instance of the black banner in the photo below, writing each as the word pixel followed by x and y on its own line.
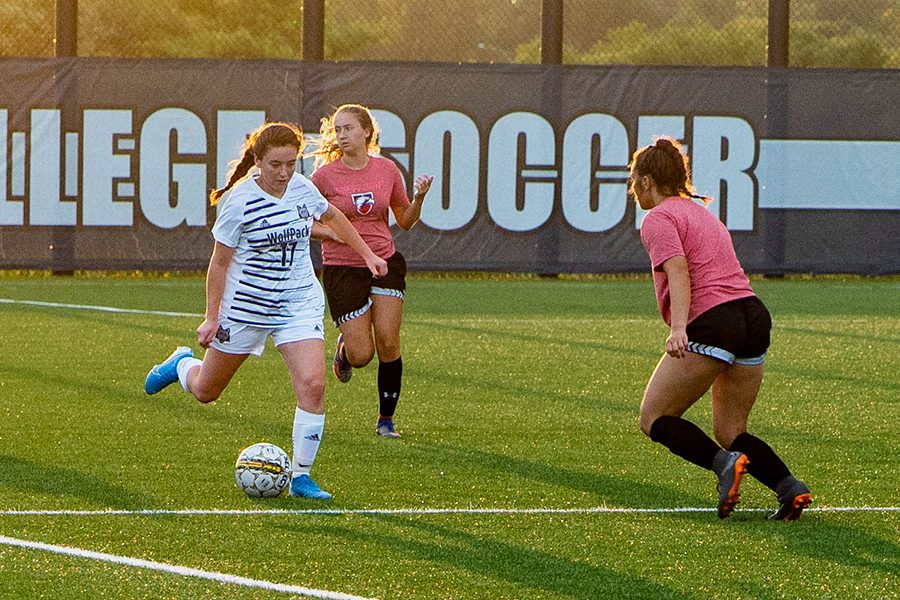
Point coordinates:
pixel 107 162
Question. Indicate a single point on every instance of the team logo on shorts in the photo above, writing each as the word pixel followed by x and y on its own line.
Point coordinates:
pixel 364 202
pixel 223 335
pixel 303 212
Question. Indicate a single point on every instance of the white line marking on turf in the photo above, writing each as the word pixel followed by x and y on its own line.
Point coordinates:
pixel 413 319
pixel 179 570
pixel 112 309
pixel 410 511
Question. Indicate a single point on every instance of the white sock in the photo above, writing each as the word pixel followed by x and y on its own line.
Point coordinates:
pixel 308 428
pixel 184 367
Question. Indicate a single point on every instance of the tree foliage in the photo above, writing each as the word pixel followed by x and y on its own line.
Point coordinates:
pixel 824 33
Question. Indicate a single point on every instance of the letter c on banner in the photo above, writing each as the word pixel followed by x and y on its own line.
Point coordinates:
pixel 447 148
pixel 580 174
pixel 506 170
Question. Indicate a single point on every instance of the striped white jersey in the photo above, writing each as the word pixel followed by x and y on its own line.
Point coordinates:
pixel 271 281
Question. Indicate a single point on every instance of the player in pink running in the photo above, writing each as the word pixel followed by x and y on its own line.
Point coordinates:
pixel 365 186
pixel 718 338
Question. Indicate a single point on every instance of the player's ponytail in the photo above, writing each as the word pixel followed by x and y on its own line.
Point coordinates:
pixel 239 170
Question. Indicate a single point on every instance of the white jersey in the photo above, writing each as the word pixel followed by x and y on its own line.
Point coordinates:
pixel 271 281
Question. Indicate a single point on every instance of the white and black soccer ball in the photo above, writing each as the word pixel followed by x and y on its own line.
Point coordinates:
pixel 262 470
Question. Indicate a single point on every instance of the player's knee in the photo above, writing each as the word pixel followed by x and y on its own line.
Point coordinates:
pixel 204 392
pixel 311 397
pixel 205 395
pixel 312 388
pixel 645 423
pixel 359 358
pixel 388 352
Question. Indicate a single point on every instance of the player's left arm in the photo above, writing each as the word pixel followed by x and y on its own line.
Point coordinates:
pixel 408 215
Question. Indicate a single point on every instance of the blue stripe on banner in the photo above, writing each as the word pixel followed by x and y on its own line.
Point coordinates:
pixel 828 174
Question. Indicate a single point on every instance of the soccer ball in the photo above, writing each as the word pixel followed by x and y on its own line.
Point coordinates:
pixel 262 470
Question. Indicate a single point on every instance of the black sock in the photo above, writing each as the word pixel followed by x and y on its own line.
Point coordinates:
pixel 389 377
pixel 765 464
pixel 684 439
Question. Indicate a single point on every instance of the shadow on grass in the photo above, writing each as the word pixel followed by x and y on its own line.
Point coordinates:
pixel 609 489
pixel 494 560
pixel 29 477
pixel 580 346
pixel 816 538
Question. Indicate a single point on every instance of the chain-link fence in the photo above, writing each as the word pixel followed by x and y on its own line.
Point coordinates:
pixel 823 33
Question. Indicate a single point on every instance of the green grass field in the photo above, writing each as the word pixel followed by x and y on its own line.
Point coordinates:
pixel 519 394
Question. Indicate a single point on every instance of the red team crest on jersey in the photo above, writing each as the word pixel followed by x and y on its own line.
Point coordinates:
pixel 364 202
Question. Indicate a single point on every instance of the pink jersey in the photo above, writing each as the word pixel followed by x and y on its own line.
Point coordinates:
pixel 681 227
pixel 364 196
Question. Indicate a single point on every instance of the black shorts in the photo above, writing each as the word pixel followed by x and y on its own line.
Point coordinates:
pixel 736 332
pixel 349 289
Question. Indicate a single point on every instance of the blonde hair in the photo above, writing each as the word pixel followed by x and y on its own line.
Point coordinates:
pixel 274 134
pixel 328 150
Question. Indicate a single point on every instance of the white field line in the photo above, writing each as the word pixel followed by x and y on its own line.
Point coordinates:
pixel 412 319
pixel 111 309
pixel 178 570
pixel 410 511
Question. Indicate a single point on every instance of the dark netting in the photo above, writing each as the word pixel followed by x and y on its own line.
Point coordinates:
pixel 678 32
pixel 459 31
pixel 189 29
pixel 845 33
pixel 823 33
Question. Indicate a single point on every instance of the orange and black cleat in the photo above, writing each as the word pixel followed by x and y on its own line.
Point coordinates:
pixel 793 497
pixel 729 482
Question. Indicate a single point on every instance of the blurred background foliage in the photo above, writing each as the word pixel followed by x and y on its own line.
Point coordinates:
pixel 823 33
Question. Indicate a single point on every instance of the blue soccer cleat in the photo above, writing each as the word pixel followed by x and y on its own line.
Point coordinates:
pixel 304 487
pixel 385 428
pixel 166 372
pixel 340 365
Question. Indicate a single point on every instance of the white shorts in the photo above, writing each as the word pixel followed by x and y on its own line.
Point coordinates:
pixel 238 338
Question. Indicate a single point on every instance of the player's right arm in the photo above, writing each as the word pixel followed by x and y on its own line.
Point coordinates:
pixel 215 287
pixel 676 269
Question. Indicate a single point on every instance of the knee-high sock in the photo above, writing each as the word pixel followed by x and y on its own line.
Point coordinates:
pixel 184 367
pixel 308 428
pixel 765 464
pixel 684 439
pixel 390 375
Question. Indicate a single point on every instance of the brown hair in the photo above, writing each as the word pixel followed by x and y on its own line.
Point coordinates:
pixel 273 134
pixel 665 161
pixel 328 149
